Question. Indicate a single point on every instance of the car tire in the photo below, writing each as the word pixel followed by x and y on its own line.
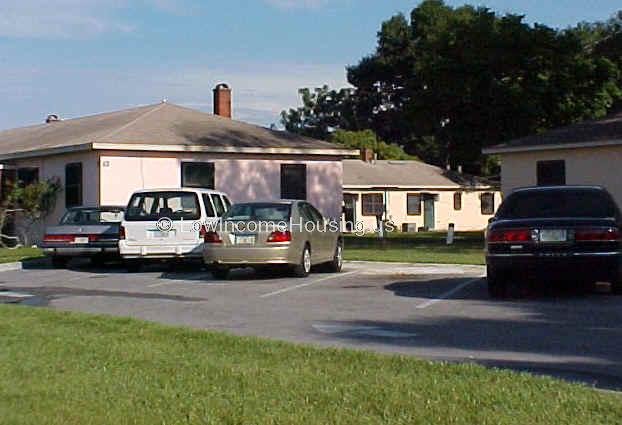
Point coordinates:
pixel 220 273
pixel 337 263
pixel 303 268
pixel 59 262
pixel 133 266
pixel 497 284
pixel 98 261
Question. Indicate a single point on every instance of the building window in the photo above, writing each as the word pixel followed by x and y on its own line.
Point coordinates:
pixel 413 204
pixel 73 184
pixel 27 175
pixel 372 204
pixel 551 173
pixel 487 203
pixel 293 181
pixel 457 201
pixel 197 174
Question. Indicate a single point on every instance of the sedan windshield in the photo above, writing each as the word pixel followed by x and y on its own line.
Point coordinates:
pixel 258 212
pixel 558 203
pixel 93 216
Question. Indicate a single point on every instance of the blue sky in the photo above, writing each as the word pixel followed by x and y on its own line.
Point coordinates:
pixel 78 57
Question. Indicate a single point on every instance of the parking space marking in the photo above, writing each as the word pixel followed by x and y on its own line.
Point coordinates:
pixel 302 285
pixel 448 294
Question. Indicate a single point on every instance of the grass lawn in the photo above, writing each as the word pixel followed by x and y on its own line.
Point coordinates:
pixel 421 247
pixel 8 255
pixel 69 368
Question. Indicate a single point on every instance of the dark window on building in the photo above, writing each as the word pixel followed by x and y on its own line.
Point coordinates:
pixel 73 185
pixel 457 201
pixel 293 181
pixel 27 175
pixel 197 174
pixel 413 204
pixel 488 203
pixel 372 204
pixel 551 173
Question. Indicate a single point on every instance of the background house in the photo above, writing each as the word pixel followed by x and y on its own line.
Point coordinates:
pixel 102 159
pixel 585 153
pixel 415 195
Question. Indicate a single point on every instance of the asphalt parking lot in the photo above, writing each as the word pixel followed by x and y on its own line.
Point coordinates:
pixel 436 312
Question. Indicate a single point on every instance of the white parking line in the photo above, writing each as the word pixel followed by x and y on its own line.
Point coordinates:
pixel 448 294
pixel 302 285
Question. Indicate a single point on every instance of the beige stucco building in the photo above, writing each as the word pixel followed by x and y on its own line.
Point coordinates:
pixel 414 196
pixel 102 159
pixel 587 153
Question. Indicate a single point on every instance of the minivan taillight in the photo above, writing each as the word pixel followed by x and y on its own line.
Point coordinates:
pixel 509 235
pixel 121 232
pixel 611 235
pixel 280 236
pixel 212 237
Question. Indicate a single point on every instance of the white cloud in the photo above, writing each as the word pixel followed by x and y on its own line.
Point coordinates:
pixel 61 19
pixel 260 91
pixel 297 4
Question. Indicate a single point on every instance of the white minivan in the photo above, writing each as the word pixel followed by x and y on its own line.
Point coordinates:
pixel 168 224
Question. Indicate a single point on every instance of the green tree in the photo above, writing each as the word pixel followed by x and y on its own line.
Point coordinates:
pixel 29 204
pixel 322 111
pixel 368 139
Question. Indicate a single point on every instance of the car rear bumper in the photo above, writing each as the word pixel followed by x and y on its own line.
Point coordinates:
pixel 160 251
pixel 246 255
pixel 80 250
pixel 599 265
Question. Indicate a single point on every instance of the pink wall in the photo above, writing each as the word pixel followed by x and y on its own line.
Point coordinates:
pixel 244 179
pixel 54 166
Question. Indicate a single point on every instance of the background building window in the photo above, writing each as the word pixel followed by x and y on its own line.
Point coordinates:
pixel 197 174
pixel 372 204
pixel 27 175
pixel 413 204
pixel 488 203
pixel 293 181
pixel 73 184
pixel 457 201
pixel 551 173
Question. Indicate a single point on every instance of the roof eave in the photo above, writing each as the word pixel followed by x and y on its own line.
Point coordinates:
pixel 46 152
pixel 179 148
pixel 557 146
pixel 226 149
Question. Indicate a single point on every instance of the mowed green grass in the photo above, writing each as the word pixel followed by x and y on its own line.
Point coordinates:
pixel 69 368
pixel 10 255
pixel 421 247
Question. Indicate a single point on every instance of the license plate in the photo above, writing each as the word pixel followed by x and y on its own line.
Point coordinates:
pixel 81 240
pixel 553 235
pixel 245 240
pixel 159 234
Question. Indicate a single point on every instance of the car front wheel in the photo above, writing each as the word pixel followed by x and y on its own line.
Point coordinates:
pixel 337 263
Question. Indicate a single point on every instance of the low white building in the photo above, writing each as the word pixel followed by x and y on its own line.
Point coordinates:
pixel 415 196
pixel 587 153
pixel 102 159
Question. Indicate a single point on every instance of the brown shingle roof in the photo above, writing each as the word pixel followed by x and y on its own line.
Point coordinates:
pixel 161 125
pixel 594 132
pixel 410 174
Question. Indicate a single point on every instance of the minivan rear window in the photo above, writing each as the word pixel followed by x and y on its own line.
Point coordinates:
pixel 558 203
pixel 258 212
pixel 152 206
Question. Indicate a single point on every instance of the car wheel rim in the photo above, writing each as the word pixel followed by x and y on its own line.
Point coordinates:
pixel 306 260
pixel 339 256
